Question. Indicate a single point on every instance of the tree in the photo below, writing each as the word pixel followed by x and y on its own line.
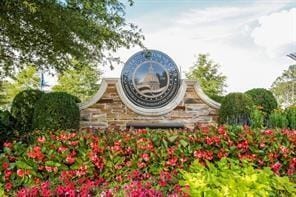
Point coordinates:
pixel 50 33
pixel 206 72
pixel 24 80
pixel 284 87
pixel 82 82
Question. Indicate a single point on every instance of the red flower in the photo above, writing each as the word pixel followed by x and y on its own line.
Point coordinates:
pixel 41 139
pixel 221 154
pixel 7 174
pixel 7 144
pixel 200 154
pixel 5 165
pixel 61 149
pixel 22 173
pixel 284 150
pixel 70 159
pixel 221 130
pixel 276 167
pixel 268 132
pixel 172 162
pixel 8 186
pixel 262 145
pixel 212 140
pixel 244 145
pixel 141 165
pixel 145 157
pixel 36 153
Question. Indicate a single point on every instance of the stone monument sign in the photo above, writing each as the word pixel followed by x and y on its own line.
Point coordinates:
pixel 149 93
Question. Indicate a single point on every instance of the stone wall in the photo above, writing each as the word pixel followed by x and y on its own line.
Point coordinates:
pixel 107 108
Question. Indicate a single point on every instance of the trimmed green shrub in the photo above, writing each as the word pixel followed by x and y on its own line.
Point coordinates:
pixel 236 109
pixel 229 177
pixel 264 99
pixel 278 119
pixel 291 116
pixel 6 127
pixel 22 108
pixel 57 110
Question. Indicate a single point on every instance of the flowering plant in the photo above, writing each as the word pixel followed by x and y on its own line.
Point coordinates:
pixel 107 162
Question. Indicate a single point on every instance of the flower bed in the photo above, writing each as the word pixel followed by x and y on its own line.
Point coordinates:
pixel 134 163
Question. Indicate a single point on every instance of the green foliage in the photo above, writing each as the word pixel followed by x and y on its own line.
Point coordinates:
pixel 82 82
pixel 235 109
pixel 217 98
pixel 146 157
pixel 284 87
pixel 263 99
pixel 257 118
pixel 6 127
pixel 22 108
pixel 56 110
pixel 291 116
pixel 26 79
pixel 206 72
pixel 278 119
pixel 230 178
pixel 50 33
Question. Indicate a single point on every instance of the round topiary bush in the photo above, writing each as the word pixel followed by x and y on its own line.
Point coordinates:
pixel 264 99
pixel 56 110
pixel 235 109
pixel 22 108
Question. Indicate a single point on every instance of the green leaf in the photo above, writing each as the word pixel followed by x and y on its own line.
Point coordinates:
pixel 173 138
pixel 184 143
pixel 23 165
pixel 52 163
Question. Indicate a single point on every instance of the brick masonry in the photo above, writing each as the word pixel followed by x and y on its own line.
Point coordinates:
pixel 107 109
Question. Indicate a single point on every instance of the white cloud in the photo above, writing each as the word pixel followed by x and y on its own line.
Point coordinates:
pixel 234 37
pixel 277 32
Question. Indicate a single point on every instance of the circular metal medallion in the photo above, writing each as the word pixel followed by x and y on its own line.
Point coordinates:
pixel 150 79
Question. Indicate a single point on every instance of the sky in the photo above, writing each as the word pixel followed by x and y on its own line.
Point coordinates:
pixel 248 39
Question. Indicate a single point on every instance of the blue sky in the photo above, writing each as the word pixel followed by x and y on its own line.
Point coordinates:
pixel 249 39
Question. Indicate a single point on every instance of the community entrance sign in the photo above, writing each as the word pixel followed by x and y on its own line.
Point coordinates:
pixel 149 93
pixel 150 79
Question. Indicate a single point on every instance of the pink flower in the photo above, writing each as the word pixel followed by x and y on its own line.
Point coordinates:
pixel 244 145
pixel 22 173
pixel 276 167
pixel 8 186
pixel 41 139
pixel 5 165
pixel 145 157
pixel 268 132
pixel 70 159
pixel 172 162
pixel 7 144
pixel 141 165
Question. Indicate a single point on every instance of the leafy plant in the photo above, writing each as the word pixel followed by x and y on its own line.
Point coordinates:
pixel 101 162
pixel 6 127
pixel 291 116
pixel 263 99
pixel 56 110
pixel 236 109
pixel 257 118
pixel 211 80
pixel 231 178
pixel 82 82
pixel 51 33
pixel 22 108
pixel 278 119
